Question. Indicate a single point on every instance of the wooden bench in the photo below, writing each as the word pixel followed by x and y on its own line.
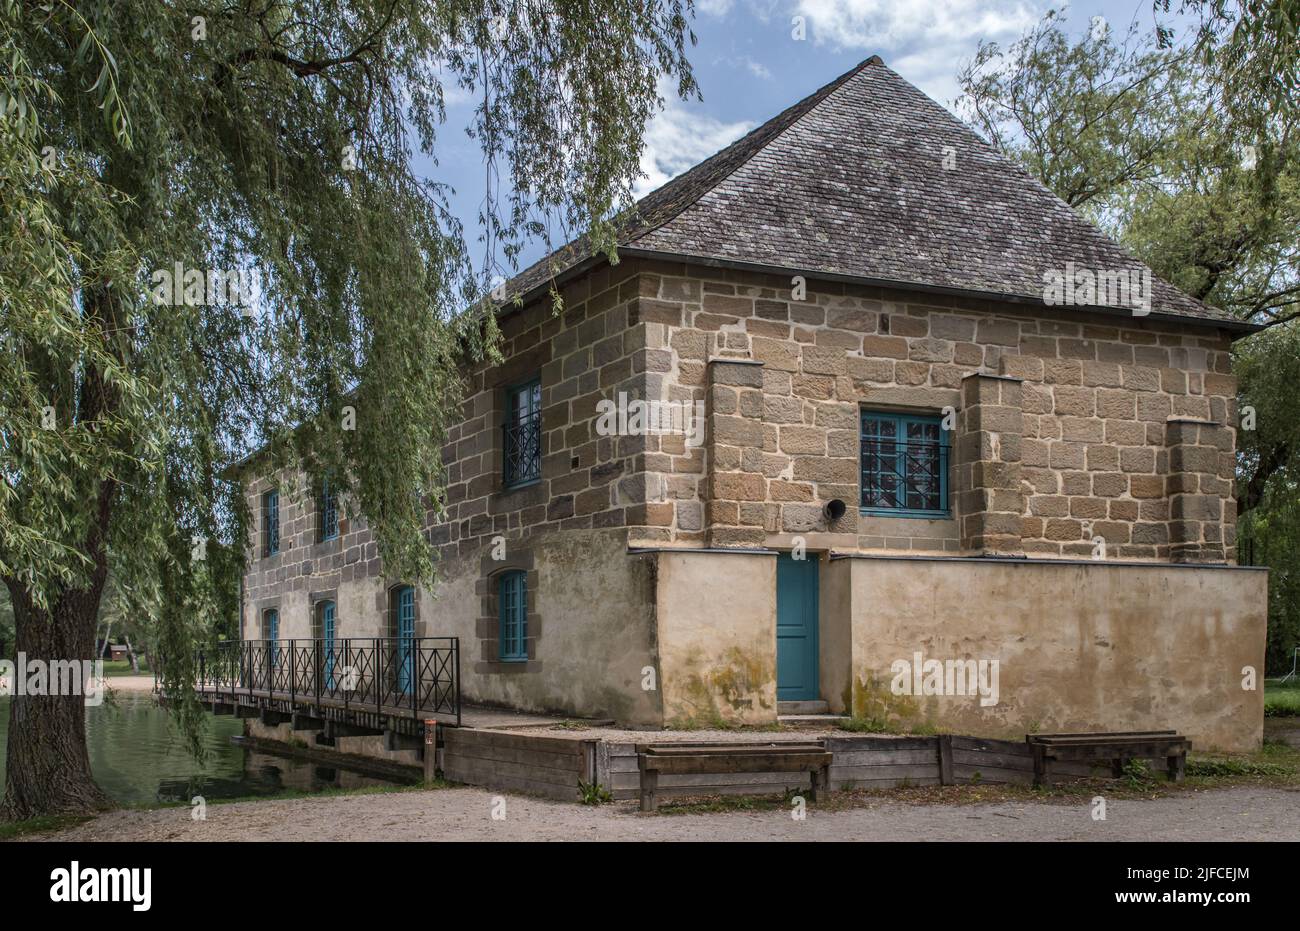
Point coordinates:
pixel 685 759
pixel 1119 748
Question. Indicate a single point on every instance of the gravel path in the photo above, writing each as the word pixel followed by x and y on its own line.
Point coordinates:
pixel 1241 813
pixel 130 683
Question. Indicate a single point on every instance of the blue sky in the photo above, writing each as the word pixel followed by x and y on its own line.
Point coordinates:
pixel 750 67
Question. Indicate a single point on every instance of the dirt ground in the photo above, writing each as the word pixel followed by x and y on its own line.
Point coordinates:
pixel 1232 814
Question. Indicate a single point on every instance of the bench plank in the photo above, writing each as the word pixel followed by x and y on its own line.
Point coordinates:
pixel 723 760
pixel 710 763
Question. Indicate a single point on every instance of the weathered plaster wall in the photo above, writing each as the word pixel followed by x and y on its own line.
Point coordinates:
pixel 1081 647
pixel 717 637
pixel 590 622
pixel 591 627
pixel 835 633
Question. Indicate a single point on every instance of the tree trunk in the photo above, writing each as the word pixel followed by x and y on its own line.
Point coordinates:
pixel 130 655
pixel 47 766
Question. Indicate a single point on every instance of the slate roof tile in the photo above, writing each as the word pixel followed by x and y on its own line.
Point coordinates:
pixel 851 181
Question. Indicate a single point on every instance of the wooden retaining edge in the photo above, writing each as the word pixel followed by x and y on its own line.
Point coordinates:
pixel 552 766
pixel 547 766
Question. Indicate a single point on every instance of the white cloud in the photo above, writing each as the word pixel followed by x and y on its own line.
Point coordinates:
pixel 927 38
pixel 717 8
pixel 680 137
pixel 754 67
pixel 890 24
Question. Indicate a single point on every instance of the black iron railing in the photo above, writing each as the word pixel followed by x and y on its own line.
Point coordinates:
pixel 522 448
pixel 381 674
pixel 909 475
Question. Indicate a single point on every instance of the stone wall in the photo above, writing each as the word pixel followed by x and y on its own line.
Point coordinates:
pixel 589 613
pixel 1095 395
pixel 1068 431
pixel 594 351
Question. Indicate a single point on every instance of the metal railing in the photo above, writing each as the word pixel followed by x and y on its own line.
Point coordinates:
pixel 419 674
pixel 522 448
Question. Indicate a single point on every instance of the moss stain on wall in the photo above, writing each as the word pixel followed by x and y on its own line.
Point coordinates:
pixel 736 690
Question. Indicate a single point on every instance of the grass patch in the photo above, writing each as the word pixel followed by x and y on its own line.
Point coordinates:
pixel 864 725
pixel 292 794
pixel 13 830
pixel 704 805
pixel 1231 767
pixel 1282 701
pixel 121 667
pixel 1275 763
pixel 719 724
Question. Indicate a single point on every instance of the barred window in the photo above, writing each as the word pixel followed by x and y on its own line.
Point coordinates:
pixel 271 633
pixel 327 513
pixel 904 465
pixel 271 523
pixel 522 444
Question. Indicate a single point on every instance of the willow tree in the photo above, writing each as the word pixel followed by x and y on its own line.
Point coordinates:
pixel 150 153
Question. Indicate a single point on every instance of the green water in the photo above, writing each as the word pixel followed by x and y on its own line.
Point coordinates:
pixel 138 757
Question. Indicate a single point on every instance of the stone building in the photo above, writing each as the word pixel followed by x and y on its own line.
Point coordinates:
pixel 860 400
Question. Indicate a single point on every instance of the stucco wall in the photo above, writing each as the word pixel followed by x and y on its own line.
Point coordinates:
pixel 590 622
pixel 717 637
pixel 1080 646
pixel 591 627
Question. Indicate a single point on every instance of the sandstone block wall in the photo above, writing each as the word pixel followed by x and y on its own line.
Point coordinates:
pixel 1096 396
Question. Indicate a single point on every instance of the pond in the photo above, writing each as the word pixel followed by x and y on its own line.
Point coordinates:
pixel 138 757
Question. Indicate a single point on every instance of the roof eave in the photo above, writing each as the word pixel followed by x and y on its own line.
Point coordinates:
pixel 1237 327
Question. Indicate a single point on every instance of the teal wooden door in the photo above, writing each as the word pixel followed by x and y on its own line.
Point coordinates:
pixel 796 629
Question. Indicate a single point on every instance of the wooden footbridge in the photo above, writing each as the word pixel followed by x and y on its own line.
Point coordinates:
pixel 349 686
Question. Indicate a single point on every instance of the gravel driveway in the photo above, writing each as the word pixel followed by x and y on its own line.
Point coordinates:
pixel 1240 813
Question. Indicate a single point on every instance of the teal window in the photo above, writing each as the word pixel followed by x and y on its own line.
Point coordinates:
pixel 522 435
pixel 512 600
pixel 404 629
pixel 326 630
pixel 271 632
pixel 271 523
pixel 327 513
pixel 904 465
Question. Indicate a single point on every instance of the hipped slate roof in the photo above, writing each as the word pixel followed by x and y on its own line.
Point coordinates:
pixel 851 183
